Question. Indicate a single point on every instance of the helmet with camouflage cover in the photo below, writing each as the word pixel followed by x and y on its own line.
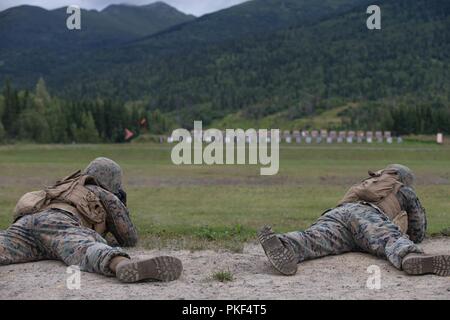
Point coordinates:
pixel 404 173
pixel 107 172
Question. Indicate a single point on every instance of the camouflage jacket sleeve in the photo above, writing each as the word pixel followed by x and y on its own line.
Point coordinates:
pixel 417 219
pixel 118 220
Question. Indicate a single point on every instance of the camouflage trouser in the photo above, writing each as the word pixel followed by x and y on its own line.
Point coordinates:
pixel 56 235
pixel 352 227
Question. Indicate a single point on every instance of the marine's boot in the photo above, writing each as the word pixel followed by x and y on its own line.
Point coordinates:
pixel 280 254
pixel 416 264
pixel 160 268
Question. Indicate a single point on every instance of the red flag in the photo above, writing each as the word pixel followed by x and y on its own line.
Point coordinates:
pixel 128 134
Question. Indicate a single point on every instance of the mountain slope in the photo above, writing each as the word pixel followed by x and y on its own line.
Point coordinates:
pixel 146 20
pixel 289 73
pixel 249 18
pixel 38 43
pixel 296 71
pixel 30 27
pixel 34 40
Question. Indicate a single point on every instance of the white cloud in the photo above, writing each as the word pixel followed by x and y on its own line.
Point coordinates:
pixel 196 7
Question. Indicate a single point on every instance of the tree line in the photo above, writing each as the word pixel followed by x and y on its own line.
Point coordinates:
pixel 36 116
pixel 405 115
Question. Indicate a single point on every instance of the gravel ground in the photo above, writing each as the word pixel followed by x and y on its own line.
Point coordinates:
pixel 335 277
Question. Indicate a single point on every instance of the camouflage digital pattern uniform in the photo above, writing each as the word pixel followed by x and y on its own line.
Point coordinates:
pixel 362 227
pixel 58 235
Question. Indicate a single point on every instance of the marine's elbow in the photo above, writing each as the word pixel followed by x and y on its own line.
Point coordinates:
pixel 130 241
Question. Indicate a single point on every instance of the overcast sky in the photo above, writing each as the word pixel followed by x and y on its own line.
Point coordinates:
pixel 196 7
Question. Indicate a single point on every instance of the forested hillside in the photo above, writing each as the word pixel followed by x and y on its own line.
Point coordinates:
pixel 35 42
pixel 278 70
pixel 303 69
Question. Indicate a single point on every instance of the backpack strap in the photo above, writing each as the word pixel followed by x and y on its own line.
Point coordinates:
pixel 72 176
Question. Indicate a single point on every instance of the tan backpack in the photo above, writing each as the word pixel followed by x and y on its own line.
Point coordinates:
pixel 380 189
pixel 69 194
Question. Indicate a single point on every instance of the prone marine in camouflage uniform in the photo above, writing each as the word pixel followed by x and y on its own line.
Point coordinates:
pixel 382 216
pixel 68 222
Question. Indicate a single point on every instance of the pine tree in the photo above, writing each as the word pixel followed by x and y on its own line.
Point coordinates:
pixel 33 126
pixel 57 122
pixel 2 106
pixel 2 133
pixel 11 110
pixel 42 98
pixel 87 133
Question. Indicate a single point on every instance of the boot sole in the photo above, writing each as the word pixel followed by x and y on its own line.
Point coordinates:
pixel 160 268
pixel 281 258
pixel 435 264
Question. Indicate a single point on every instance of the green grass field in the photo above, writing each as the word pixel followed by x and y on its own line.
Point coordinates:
pixel 222 206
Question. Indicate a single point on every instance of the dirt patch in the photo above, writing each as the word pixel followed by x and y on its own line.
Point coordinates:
pixel 334 277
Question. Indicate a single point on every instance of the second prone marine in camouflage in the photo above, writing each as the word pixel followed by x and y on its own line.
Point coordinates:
pixel 382 215
pixel 70 220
